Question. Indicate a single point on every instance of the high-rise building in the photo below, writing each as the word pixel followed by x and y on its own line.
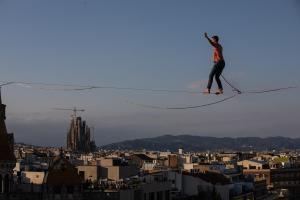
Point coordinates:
pixel 79 136
pixel 7 158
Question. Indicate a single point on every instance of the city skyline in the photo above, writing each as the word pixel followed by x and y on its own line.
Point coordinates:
pixel 149 45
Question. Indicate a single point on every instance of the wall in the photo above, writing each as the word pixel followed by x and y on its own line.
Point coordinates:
pixel 90 172
pixel 33 177
pixel 118 172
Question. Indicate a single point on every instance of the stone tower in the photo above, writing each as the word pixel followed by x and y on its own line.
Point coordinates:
pixel 7 158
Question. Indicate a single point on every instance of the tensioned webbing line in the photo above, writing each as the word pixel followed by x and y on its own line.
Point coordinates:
pixel 234 89
pixel 90 87
pixel 66 87
pixel 266 91
pixel 180 108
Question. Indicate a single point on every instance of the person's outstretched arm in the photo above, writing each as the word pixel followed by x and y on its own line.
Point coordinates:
pixel 209 40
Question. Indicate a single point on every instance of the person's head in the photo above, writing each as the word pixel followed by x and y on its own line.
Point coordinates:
pixel 215 38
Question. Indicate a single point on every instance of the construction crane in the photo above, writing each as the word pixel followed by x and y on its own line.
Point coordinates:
pixel 75 110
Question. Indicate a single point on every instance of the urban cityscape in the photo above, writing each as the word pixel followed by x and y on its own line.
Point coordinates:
pixel 82 118
pixel 80 171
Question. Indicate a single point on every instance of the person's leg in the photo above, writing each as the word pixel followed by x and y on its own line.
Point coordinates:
pixel 211 76
pixel 220 66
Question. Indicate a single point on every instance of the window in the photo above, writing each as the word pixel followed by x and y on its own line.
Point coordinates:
pixel 57 190
pixel 159 195
pixel 151 196
pixel 167 195
pixel 81 174
pixel 6 184
pixel 70 189
pixel 0 183
pixel 252 167
pixel 138 195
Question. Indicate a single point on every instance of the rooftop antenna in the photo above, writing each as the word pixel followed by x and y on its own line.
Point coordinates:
pixel 75 110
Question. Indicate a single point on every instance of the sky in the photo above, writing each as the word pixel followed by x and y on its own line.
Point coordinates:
pixel 149 44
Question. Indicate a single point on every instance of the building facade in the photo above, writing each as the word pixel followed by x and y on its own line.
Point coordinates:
pixel 7 158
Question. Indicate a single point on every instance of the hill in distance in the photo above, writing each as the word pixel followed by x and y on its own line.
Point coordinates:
pixel 201 143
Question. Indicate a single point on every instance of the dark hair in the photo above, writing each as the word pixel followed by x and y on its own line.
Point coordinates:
pixel 216 38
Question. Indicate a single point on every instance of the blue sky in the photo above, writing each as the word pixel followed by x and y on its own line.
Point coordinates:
pixel 150 44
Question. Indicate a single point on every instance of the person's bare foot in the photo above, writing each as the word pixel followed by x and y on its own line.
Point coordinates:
pixel 206 91
pixel 219 91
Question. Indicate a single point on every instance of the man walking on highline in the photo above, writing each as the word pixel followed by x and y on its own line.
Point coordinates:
pixel 219 64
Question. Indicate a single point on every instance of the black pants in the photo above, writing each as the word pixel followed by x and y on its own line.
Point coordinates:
pixel 216 72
